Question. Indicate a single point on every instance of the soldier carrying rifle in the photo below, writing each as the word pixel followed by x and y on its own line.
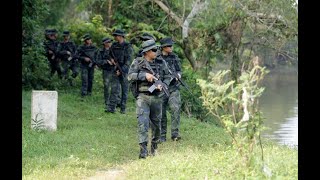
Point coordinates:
pixel 86 54
pixel 149 72
pixel 66 52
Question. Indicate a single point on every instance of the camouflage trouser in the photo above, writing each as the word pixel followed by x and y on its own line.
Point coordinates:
pixel 55 65
pixel 119 83
pixel 148 110
pixel 115 90
pixel 174 102
pixel 107 78
pixel 66 65
pixel 87 75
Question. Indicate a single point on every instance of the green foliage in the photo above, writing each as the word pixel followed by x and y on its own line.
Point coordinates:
pixel 35 69
pixel 57 9
pixel 236 106
pixel 192 104
pixel 95 28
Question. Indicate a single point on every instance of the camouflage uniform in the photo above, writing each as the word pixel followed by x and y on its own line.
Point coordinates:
pixel 68 60
pixel 51 44
pixel 87 68
pixel 121 53
pixel 108 71
pixel 148 105
pixel 174 101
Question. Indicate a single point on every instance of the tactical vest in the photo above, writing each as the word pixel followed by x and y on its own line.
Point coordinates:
pixel 120 52
pixel 51 45
pixel 157 66
pixel 103 56
pixel 172 61
pixel 68 46
pixel 87 51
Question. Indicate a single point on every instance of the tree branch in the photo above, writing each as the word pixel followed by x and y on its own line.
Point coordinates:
pixel 197 7
pixel 167 10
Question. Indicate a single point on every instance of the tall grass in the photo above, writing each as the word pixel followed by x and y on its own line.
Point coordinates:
pixel 89 142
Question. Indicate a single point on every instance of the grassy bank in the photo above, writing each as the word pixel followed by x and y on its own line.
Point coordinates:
pixel 91 144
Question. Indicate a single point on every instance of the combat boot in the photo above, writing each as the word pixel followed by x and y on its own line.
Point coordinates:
pixel 123 111
pixel 176 137
pixel 163 139
pixel 143 150
pixel 154 147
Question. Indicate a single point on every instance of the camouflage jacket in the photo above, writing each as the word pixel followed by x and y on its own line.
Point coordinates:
pixel 102 56
pixel 139 68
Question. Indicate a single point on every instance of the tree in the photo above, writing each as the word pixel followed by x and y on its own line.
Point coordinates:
pixel 35 70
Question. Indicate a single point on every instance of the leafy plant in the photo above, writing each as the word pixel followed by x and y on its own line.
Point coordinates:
pixel 236 106
pixel 37 124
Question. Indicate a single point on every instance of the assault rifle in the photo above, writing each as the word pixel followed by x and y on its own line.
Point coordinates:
pixel 117 63
pixel 157 81
pixel 65 52
pixel 175 75
pixel 91 63
pixel 51 49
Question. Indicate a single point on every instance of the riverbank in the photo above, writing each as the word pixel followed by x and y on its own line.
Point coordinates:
pixel 90 144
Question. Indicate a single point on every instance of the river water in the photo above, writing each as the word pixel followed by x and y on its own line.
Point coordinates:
pixel 279 105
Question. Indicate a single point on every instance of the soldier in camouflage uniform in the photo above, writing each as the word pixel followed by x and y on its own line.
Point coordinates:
pixel 51 45
pixel 174 101
pixel 148 105
pixel 121 53
pixel 86 54
pixel 107 66
pixel 67 51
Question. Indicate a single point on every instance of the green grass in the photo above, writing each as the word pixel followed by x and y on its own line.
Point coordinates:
pixel 90 143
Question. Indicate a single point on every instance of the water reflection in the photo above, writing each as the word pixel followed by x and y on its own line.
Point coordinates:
pixel 279 104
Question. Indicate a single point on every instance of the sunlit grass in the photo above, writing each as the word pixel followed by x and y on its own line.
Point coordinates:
pixel 88 141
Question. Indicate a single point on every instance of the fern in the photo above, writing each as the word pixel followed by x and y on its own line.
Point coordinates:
pixel 37 124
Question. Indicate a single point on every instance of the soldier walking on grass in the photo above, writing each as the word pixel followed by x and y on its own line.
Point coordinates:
pixel 107 65
pixel 145 71
pixel 174 100
pixel 121 53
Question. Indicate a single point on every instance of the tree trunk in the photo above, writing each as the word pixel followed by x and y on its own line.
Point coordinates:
pixel 197 7
pixel 188 53
pixel 109 13
pixel 234 32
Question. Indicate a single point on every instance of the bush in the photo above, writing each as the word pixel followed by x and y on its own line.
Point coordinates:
pixel 192 103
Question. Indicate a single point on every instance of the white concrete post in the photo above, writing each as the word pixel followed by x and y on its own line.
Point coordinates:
pixel 44 105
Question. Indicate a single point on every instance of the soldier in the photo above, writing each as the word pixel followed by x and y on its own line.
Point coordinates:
pixel 121 53
pixel 86 54
pixel 174 101
pixel 105 63
pixel 148 105
pixel 51 45
pixel 66 51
